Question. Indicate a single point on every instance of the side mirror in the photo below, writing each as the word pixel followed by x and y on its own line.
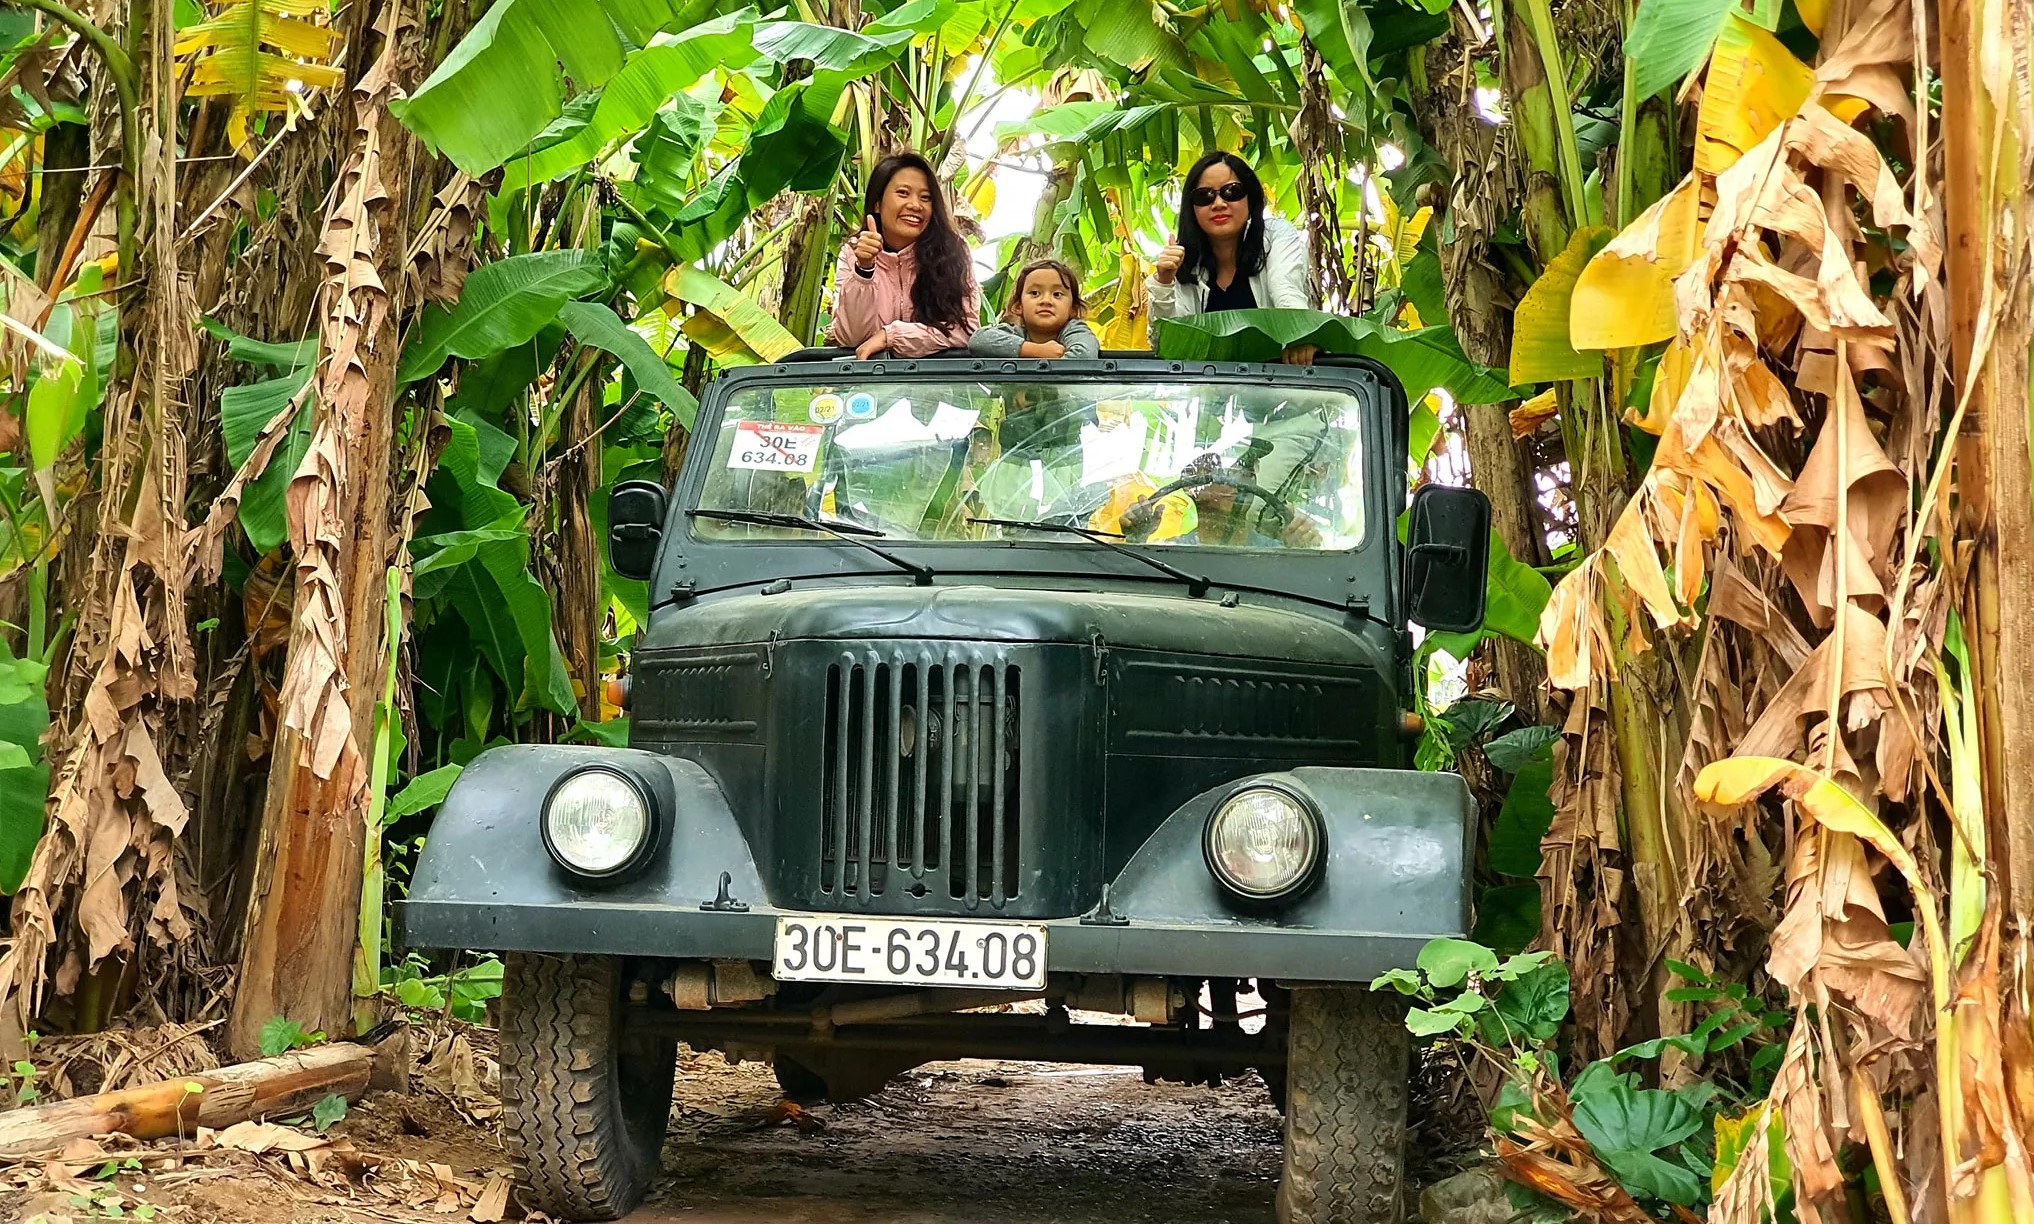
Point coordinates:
pixel 635 527
pixel 1447 558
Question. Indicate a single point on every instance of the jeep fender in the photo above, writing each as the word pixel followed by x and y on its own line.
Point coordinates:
pixel 486 846
pixel 1397 853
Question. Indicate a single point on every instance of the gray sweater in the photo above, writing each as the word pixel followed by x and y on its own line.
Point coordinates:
pixel 1004 340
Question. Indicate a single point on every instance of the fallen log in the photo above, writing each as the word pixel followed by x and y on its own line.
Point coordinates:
pixel 267 1088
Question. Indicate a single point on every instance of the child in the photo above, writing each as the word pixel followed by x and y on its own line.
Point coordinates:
pixel 1043 318
pixel 905 284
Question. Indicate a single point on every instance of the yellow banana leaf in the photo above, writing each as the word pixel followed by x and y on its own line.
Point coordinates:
pixel 1540 348
pixel 729 325
pixel 260 53
pixel 1754 84
pixel 1129 309
pixel 1625 296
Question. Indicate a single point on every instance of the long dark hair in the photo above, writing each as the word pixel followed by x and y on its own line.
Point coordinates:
pixel 939 292
pixel 1200 257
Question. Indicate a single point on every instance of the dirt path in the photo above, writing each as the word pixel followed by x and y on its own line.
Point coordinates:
pixel 951 1143
pixel 994 1143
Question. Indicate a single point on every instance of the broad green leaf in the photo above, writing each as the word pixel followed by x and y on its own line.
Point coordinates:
pixel 1514 750
pixel 488 387
pixel 1449 962
pixel 670 66
pixel 1507 916
pixel 1628 1126
pixel 1340 30
pixel 1422 360
pixel 754 332
pixel 1670 38
pixel 667 152
pixel 509 616
pixel 596 325
pixel 1540 348
pixel 1128 35
pixel 426 790
pixel 505 303
pixel 1527 813
pixel 1432 1022
pixel 462 491
pixel 243 412
pixel 24 784
pixel 57 405
pixel 328 1112
pixel 614 733
pixel 506 80
pixel 438 555
pixel 1404 981
pixel 1528 1011
pixel 282 357
pixel 282 1034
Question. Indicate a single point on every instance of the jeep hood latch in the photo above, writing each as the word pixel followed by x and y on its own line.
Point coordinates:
pixel 1101 653
pixel 723 900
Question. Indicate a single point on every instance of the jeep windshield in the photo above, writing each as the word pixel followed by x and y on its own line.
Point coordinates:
pixel 1185 464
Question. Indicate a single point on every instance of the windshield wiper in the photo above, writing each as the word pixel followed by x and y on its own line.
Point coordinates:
pixel 1197 585
pixel 851 532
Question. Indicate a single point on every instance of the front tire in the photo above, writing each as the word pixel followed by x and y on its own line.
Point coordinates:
pixel 586 1103
pixel 1345 1098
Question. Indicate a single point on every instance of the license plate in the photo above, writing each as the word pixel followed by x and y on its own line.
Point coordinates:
pixel 909 951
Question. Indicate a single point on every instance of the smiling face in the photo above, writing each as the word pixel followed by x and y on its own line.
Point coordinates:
pixel 1046 302
pixel 1220 218
pixel 906 208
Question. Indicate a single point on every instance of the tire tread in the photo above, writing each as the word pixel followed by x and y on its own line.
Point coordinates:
pixel 575 1154
pixel 1345 1105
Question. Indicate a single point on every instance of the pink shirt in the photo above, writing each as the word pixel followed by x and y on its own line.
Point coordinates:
pixel 863 305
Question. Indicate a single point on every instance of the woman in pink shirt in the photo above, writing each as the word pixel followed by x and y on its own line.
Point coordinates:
pixel 905 283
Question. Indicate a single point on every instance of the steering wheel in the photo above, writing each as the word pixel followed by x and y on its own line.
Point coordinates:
pixel 1279 507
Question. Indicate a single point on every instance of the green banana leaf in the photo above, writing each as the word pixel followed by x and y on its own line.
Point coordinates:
pixel 505 81
pixel 598 326
pixel 1423 360
pixel 505 303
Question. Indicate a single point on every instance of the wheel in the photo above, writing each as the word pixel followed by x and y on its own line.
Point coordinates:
pixel 799 1082
pixel 585 1104
pixel 1345 1094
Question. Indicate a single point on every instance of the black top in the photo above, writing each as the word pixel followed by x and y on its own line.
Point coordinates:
pixel 1236 297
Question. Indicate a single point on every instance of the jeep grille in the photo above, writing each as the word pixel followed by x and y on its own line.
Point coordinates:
pixel 919 789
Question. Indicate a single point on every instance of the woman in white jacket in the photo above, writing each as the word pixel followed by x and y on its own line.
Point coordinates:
pixel 1227 254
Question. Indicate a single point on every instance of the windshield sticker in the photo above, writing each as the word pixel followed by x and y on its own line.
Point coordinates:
pixel 950 424
pixel 861 406
pixel 761 446
pixel 826 408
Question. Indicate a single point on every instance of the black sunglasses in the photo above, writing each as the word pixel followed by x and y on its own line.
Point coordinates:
pixel 1231 191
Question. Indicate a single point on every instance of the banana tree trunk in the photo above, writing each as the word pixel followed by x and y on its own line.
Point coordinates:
pixel 1987 270
pixel 302 923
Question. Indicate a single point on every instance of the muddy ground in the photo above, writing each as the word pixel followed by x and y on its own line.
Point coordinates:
pixel 974 1142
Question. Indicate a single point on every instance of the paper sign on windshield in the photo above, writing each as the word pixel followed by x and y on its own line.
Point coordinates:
pixel 763 446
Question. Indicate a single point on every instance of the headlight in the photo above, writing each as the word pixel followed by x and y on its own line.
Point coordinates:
pixel 596 822
pixel 1264 843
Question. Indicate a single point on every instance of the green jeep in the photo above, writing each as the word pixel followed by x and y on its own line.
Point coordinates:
pixel 976 682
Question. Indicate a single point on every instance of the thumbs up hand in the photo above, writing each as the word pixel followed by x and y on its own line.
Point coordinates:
pixel 1166 266
pixel 867 244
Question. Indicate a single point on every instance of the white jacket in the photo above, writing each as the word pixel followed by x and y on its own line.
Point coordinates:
pixel 1284 281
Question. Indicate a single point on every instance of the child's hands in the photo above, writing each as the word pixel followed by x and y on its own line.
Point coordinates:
pixel 868 244
pixel 1041 348
pixel 1166 266
pixel 873 345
